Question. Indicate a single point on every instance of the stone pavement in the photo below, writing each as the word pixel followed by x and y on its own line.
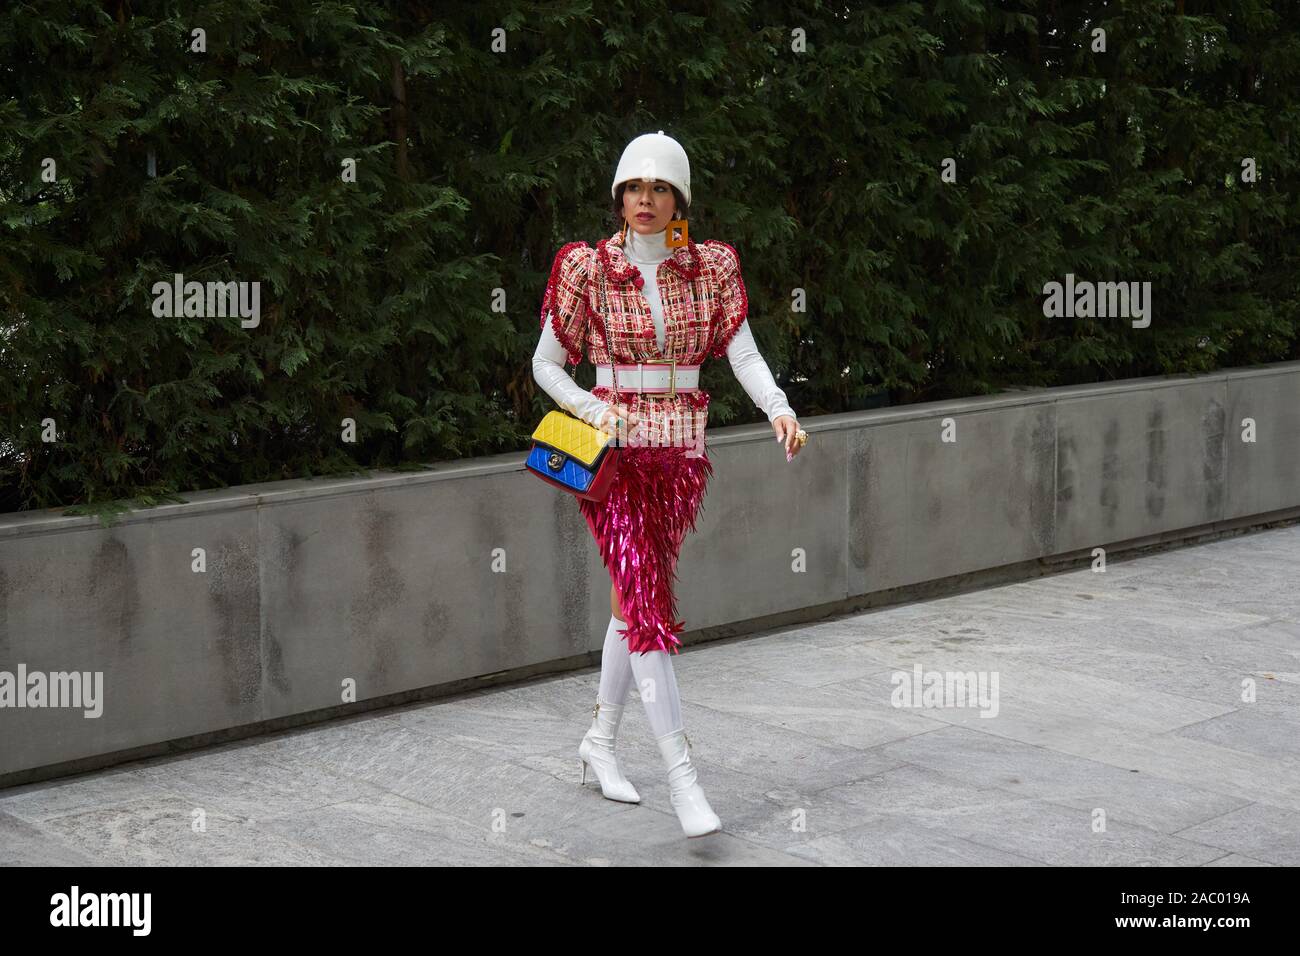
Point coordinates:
pixel 1120 737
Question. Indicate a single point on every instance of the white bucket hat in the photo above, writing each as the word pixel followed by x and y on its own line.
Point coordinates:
pixel 654 156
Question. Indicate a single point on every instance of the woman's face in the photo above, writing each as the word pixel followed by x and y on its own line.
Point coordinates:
pixel 648 205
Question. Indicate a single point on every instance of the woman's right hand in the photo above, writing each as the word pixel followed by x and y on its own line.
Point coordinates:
pixel 609 421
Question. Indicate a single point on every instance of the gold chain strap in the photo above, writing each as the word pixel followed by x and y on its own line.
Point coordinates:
pixel 613 362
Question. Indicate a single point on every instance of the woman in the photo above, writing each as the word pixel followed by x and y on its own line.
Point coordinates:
pixel 657 311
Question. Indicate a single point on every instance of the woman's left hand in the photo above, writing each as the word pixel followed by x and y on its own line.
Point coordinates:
pixel 785 427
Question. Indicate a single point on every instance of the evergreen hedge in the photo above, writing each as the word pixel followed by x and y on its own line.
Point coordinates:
pixel 408 300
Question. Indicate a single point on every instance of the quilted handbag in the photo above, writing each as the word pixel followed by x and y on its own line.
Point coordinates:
pixel 570 454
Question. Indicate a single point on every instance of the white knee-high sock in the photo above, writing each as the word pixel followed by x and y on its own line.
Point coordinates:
pixel 615 668
pixel 657 685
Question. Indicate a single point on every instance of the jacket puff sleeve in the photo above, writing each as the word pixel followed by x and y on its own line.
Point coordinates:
pixel 549 373
pixel 564 304
pixel 733 337
pixel 733 301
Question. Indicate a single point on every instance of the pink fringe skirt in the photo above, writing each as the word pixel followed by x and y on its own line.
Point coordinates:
pixel 639 528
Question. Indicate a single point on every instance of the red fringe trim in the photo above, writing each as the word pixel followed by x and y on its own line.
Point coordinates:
pixel 614 275
pixel 719 349
pixel 692 269
pixel 629 272
pixel 567 338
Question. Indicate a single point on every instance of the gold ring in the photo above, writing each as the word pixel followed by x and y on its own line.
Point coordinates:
pixel 801 437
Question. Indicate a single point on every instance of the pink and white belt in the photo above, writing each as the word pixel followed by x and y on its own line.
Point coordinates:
pixel 663 376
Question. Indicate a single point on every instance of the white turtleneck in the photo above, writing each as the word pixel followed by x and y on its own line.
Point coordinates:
pixel 647 253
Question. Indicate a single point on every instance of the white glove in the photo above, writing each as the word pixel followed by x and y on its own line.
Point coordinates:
pixel 549 373
pixel 754 375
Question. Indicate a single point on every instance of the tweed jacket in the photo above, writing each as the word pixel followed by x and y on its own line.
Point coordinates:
pixel 595 305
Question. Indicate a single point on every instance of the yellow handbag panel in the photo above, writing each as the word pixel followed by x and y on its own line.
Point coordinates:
pixel 575 438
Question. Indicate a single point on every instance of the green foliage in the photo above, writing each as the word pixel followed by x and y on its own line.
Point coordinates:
pixel 821 167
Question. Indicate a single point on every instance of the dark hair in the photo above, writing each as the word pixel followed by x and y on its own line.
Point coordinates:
pixel 617 206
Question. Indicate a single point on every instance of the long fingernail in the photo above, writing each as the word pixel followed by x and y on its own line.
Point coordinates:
pixel 789 457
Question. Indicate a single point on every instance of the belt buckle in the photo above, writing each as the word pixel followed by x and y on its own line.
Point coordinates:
pixel 672 373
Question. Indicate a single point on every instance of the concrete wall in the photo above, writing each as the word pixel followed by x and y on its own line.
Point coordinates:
pixel 389 580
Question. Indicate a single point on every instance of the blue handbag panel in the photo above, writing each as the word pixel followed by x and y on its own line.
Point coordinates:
pixel 570 473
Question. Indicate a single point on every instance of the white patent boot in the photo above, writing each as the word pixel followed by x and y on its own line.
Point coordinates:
pixel 693 811
pixel 597 750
